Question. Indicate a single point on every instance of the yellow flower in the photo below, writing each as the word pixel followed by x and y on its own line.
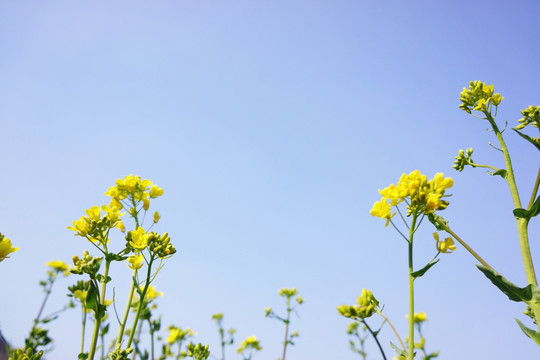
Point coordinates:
pixel 146 204
pixel 382 209
pixel 418 317
pixel 80 295
pixel 445 246
pixel 135 261
pixel 81 226
pixel 59 266
pixel 120 225
pixel 94 213
pixel 156 217
pixel 151 293
pixel 251 342
pixel 139 239
pixel 5 247
pixel 155 191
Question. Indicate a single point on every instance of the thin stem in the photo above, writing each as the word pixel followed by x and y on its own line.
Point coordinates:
pixel 126 311
pixel 83 328
pixel 535 190
pixel 141 303
pixel 411 288
pixel 393 328
pixel 464 244
pixel 97 324
pixel 285 341
pixel 375 337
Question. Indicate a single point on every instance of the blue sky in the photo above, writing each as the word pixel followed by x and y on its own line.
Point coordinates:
pixel 270 125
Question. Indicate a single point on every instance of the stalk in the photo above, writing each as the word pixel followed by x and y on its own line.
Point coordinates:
pixel 141 303
pixel 95 334
pixel 287 321
pixel 411 288
pixel 126 313
pixel 521 223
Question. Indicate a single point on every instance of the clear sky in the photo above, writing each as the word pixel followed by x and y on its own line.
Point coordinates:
pixel 270 125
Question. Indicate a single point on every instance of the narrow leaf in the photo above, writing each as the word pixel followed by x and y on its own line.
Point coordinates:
pixel 521 213
pixel 535 208
pixel 500 172
pixel 528 138
pixel 513 292
pixel 399 351
pixel 423 270
pixel 434 219
pixel 534 335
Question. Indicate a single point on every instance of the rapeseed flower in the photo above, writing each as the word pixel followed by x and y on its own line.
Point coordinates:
pixel 444 246
pixel 420 195
pixel 6 248
pixel 139 239
pixel 59 266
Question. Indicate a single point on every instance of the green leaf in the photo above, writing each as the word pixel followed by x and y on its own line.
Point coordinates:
pixel 535 208
pixel 534 335
pixel 92 297
pixel 521 213
pixel 500 172
pixel 400 352
pixel 423 270
pixel 513 292
pixel 528 138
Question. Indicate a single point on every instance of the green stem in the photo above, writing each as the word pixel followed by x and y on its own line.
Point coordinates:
pixel 521 223
pixel 411 288
pixel 463 243
pixel 374 337
pixel 126 312
pixel 141 303
pixel 95 334
pixel 285 342
pixel 83 328
pixel 535 190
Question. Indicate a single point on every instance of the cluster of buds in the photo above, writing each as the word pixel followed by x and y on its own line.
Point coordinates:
pixel 87 265
pixel 198 352
pixel 531 115
pixel 463 159
pixel 479 97
pixel 95 227
pixel 367 306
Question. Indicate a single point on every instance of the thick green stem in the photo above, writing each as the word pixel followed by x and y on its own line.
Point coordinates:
pixel 521 223
pixel 97 325
pixel 126 312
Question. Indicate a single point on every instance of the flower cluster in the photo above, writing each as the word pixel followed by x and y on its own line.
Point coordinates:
pixel 421 195
pixel 367 306
pixel 130 191
pixel 463 159
pixel 479 97
pixel 531 115
pixel 96 228
pixel 250 343
pixel 5 247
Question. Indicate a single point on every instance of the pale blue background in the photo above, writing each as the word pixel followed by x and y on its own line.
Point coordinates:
pixel 270 125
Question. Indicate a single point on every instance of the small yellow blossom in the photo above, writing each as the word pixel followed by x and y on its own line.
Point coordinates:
pixel 135 262
pixel 6 248
pixel 445 246
pixel 155 191
pixel 146 204
pixel 94 213
pixel 156 217
pixel 59 266
pixel 139 239
pixel 120 225
pixel 151 293
pixel 81 226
